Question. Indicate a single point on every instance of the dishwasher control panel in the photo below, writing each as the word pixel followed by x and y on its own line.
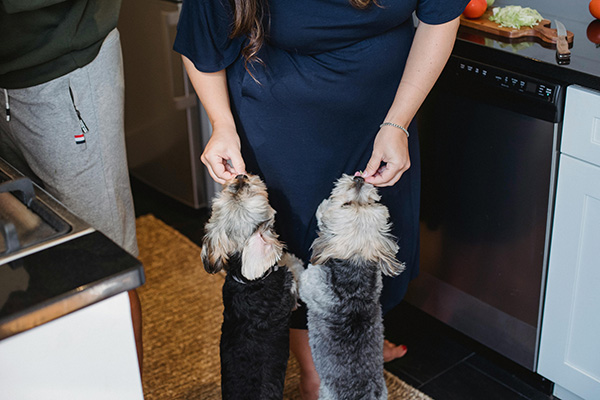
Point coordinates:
pixel 505 79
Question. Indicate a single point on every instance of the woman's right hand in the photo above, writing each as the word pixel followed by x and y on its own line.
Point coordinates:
pixel 222 155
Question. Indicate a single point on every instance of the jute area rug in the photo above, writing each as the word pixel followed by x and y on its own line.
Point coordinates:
pixel 182 314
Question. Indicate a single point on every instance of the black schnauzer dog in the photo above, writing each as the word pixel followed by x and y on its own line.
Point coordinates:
pixel 259 292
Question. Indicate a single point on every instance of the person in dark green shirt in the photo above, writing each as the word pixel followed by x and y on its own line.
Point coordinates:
pixel 45 39
pixel 61 82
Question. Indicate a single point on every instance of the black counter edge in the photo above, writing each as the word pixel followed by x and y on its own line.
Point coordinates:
pixel 524 65
pixel 72 301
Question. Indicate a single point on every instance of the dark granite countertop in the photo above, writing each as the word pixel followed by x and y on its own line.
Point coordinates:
pixel 52 279
pixel 54 282
pixel 535 57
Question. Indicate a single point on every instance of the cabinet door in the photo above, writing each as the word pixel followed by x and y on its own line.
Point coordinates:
pixel 581 127
pixel 570 349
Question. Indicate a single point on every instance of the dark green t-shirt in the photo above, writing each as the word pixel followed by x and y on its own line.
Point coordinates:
pixel 44 39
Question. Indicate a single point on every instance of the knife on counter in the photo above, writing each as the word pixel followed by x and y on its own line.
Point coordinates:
pixel 563 54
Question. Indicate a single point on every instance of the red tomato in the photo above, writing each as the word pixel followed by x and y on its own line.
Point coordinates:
pixel 595 8
pixel 593 32
pixel 476 8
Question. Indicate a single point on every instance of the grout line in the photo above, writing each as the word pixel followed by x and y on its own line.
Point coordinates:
pixel 448 369
pixel 410 376
pixel 498 381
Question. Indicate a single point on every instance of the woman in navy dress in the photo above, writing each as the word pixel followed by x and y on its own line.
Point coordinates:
pixel 296 92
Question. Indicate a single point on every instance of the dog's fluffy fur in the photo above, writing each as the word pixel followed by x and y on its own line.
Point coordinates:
pixel 259 292
pixel 341 288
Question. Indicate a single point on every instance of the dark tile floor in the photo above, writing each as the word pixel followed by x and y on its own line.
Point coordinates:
pixel 440 362
pixel 447 365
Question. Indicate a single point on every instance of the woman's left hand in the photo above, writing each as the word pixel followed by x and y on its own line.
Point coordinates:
pixel 390 158
pixel 429 52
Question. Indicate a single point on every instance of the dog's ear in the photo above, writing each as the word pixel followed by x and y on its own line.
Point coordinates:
pixel 213 258
pixel 386 259
pixel 319 213
pixel 385 245
pixel 390 266
pixel 261 251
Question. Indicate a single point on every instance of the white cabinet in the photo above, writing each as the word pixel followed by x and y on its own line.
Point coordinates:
pixel 570 349
pixel 89 354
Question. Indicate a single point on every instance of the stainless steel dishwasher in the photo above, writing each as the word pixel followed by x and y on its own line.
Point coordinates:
pixel 489 140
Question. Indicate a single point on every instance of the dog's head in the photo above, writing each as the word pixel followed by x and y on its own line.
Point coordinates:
pixel 241 224
pixel 353 225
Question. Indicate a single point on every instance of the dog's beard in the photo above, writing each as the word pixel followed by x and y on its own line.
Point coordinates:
pixel 354 226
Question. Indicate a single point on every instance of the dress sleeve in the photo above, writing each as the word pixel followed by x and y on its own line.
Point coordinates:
pixel 203 34
pixel 436 12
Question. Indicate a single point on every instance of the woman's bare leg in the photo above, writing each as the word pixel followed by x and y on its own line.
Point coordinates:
pixel 309 379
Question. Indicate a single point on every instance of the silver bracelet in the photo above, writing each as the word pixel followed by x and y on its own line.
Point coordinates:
pixel 395 126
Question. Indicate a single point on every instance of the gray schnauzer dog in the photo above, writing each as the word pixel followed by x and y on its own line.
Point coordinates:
pixel 259 292
pixel 341 288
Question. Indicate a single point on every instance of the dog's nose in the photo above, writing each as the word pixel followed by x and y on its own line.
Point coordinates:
pixel 238 183
pixel 358 180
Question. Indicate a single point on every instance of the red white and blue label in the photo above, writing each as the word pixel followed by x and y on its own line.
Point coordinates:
pixel 80 138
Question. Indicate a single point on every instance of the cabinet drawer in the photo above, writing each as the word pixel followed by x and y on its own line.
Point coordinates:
pixel 581 128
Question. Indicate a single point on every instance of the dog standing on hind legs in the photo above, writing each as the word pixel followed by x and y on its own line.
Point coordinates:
pixel 341 289
pixel 259 292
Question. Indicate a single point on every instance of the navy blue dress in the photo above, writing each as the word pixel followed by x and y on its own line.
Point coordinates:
pixel 331 73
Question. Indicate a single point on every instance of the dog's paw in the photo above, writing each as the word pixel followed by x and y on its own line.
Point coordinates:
pixel 296 267
pixel 314 289
pixel 293 263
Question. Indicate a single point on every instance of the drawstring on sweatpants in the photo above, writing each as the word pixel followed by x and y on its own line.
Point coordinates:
pixel 7 105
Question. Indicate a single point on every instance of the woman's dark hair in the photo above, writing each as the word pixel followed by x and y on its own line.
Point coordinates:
pixel 248 18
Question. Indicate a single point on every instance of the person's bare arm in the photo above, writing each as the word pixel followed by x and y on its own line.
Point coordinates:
pixel 222 155
pixel 429 53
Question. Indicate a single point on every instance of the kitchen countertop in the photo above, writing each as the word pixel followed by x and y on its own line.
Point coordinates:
pixel 49 284
pixel 533 57
pixel 78 269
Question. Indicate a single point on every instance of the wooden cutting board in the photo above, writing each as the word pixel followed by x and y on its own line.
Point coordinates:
pixel 541 30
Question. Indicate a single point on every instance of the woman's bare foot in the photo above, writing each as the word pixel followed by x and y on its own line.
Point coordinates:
pixel 392 352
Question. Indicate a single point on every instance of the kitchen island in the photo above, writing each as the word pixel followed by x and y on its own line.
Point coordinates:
pixel 65 320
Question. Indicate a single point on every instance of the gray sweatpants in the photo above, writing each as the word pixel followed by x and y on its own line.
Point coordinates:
pixel 68 135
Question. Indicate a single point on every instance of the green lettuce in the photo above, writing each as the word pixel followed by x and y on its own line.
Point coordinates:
pixel 515 16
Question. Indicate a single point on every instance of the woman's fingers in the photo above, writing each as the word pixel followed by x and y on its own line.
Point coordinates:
pixel 222 156
pixel 389 160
